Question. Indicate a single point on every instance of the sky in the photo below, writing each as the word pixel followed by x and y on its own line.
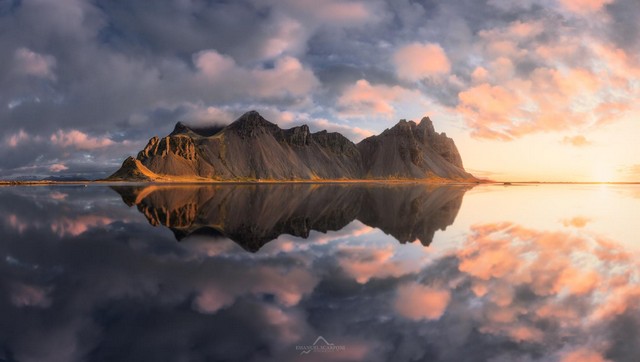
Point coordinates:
pixel 529 90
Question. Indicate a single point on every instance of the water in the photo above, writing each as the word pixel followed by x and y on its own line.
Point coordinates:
pixel 381 273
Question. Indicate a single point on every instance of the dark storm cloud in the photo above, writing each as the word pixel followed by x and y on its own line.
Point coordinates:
pixel 180 28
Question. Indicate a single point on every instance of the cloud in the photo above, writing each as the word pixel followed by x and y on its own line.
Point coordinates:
pixel 416 301
pixel 584 6
pixel 288 77
pixel 30 63
pixel 195 114
pixel 17 138
pixel 485 107
pixel 419 61
pixel 588 299
pixel 24 295
pixel 354 133
pixel 583 355
pixel 115 68
pixel 577 222
pixel 66 226
pixel 576 141
pixel 57 167
pixel 364 264
pixel 526 85
pixel 364 99
pixel 329 12
pixel 79 140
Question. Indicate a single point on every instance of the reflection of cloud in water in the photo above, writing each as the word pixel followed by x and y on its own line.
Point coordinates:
pixel 23 295
pixel 417 301
pixel 122 290
pixel 535 286
pixel 76 226
pixel 362 262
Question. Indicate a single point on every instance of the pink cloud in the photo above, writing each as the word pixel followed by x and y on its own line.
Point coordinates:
pixel 480 75
pixel 557 95
pixel 418 61
pixel 487 107
pixel 503 258
pixel 209 300
pixel 34 64
pixel 342 12
pixel 583 354
pixel 23 295
pixel 525 333
pixel 288 325
pixel 364 99
pixel 363 263
pixel 288 285
pixel 416 301
pixel 213 64
pixel 584 6
pixel 79 140
pixel 76 226
pixel 331 12
pixel 58 195
pixel 57 167
pixel 16 223
pixel 17 138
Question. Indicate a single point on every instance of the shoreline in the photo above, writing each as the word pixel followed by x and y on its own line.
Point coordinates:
pixel 231 182
pixel 279 182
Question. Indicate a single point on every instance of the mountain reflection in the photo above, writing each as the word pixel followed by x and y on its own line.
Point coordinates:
pixel 83 277
pixel 253 215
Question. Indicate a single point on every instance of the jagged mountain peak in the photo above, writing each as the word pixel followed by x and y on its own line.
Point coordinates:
pixel 403 126
pixel 253 118
pixel 202 131
pixel 427 124
pixel 252 123
pixel 253 148
pixel 180 128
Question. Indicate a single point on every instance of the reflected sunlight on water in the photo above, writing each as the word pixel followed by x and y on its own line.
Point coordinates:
pixel 406 272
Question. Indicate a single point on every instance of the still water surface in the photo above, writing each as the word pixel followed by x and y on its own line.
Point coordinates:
pixel 381 273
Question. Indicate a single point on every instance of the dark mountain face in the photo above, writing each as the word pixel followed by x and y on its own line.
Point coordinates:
pixel 252 215
pixel 253 148
pixel 410 150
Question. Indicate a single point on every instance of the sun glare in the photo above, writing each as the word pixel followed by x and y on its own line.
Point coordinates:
pixel 603 174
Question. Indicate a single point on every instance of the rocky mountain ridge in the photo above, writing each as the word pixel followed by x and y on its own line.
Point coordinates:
pixel 252 148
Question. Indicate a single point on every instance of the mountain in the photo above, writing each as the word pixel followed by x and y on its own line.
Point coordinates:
pixel 410 150
pixel 252 215
pixel 252 148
